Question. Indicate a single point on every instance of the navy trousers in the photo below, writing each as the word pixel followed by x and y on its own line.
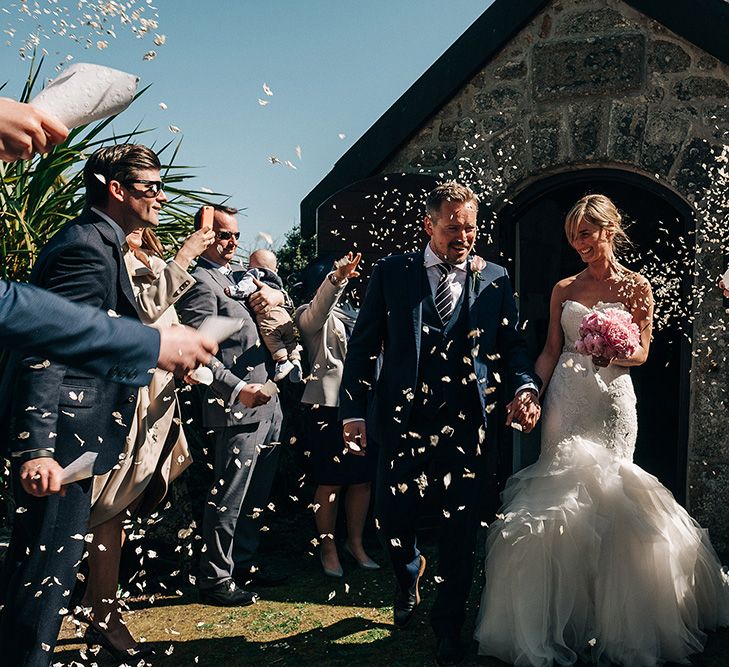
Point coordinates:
pixel 449 466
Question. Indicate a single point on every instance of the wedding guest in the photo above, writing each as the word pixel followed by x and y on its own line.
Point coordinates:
pixel 155 451
pixel 26 130
pixel 245 422
pixel 326 323
pixel 60 413
pixel 275 324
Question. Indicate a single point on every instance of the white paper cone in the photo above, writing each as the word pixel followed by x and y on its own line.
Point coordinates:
pixel 220 328
pixel 269 388
pixel 203 375
pixel 84 93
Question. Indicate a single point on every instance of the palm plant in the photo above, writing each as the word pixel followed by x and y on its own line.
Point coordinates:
pixel 37 197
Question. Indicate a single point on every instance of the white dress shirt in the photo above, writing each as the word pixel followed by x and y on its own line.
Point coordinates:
pixel 456 278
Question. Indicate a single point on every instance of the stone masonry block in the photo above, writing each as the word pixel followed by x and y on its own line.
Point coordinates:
pixel 717 118
pixel 508 153
pixel 664 135
pixel 702 87
pixel 665 56
pixel 586 127
pixel 545 139
pixel 627 125
pixel 592 66
pixel 497 99
pixel 695 172
pixel 591 22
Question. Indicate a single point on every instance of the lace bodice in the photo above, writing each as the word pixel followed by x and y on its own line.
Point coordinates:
pixel 587 401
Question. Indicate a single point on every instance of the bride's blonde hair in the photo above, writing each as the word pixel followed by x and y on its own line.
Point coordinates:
pixel 600 211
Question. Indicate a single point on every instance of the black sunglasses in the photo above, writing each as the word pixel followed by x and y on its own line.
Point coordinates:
pixel 152 189
pixel 226 236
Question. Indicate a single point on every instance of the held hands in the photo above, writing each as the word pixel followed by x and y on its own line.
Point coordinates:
pixel 265 297
pixel 251 396
pixel 355 437
pixel 346 267
pixel 25 130
pixel 724 289
pixel 524 410
pixel 41 477
pixel 194 246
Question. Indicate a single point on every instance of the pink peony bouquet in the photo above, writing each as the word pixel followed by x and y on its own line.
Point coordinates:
pixel 610 334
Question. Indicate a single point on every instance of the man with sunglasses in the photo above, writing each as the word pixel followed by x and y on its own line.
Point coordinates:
pixel 245 422
pixel 60 412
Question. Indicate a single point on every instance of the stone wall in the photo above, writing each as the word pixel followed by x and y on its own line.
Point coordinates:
pixel 595 83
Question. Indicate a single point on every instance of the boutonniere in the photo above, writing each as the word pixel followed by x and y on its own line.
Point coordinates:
pixel 477 265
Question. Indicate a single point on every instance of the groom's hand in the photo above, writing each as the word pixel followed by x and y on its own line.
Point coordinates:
pixel 524 410
pixel 355 437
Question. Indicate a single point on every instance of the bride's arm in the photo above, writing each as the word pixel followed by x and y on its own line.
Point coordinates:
pixel 642 310
pixel 547 360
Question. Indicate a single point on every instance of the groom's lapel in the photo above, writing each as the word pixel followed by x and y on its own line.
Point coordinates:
pixel 474 287
pixel 417 279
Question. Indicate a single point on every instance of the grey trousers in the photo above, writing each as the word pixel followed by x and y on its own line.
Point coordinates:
pixel 245 465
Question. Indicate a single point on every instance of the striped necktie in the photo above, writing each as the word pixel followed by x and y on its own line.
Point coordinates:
pixel 443 296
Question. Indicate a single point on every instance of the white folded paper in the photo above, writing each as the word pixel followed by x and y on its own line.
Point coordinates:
pixel 84 93
pixel 216 328
pixel 270 388
pixel 203 375
pixel 81 468
pixel 219 328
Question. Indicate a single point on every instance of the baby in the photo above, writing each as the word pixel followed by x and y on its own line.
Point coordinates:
pixel 276 325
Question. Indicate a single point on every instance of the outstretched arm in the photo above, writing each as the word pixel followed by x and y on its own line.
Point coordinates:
pixel 363 349
pixel 25 130
pixel 49 326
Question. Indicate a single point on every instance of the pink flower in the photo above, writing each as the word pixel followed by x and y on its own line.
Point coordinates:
pixel 610 333
pixel 478 264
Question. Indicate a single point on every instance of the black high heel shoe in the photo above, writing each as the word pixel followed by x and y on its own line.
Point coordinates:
pixel 95 636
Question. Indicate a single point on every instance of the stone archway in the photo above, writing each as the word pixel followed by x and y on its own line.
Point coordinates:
pixel 531 232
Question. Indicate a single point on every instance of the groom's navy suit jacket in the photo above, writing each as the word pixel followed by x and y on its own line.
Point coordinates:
pixel 391 321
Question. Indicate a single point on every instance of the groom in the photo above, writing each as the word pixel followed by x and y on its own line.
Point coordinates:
pixel 442 320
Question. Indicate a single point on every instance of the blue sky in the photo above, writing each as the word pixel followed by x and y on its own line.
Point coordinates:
pixel 333 66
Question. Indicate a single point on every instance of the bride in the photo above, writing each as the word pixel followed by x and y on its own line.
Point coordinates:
pixel 591 557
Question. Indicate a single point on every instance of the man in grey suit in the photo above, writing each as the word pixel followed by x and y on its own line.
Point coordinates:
pixel 245 421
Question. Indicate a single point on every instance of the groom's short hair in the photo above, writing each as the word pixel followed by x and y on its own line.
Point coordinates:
pixel 448 191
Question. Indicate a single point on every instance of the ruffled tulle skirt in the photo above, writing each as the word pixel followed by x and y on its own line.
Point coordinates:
pixel 593 559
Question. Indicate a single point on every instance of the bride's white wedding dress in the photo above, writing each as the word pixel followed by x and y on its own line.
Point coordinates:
pixel 592 558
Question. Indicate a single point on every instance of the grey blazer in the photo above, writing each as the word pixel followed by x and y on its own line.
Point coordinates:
pixel 325 339
pixel 241 357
